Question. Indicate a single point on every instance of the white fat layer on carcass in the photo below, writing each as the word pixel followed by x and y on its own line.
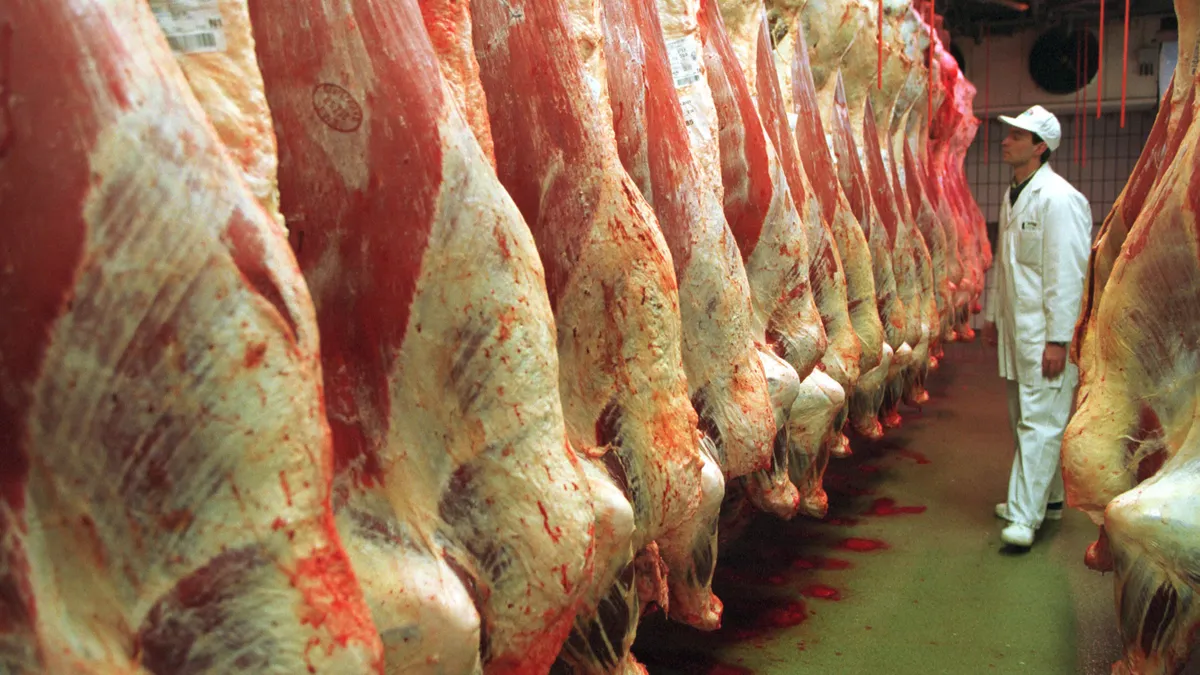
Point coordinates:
pixel 830 31
pixel 239 453
pixel 481 292
pixel 649 342
pixel 229 85
pixel 424 614
pixel 819 401
pixel 614 533
pixel 779 263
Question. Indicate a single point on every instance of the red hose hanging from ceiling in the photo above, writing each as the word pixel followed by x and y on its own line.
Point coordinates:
pixel 1100 62
pixel 879 37
pixel 987 89
pixel 1125 65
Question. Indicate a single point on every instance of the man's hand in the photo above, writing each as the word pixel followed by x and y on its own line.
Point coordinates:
pixel 1054 361
pixel 990 334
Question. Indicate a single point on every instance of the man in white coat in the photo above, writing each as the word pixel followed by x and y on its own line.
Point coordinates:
pixel 1043 244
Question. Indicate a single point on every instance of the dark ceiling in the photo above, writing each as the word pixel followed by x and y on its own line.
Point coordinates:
pixel 966 18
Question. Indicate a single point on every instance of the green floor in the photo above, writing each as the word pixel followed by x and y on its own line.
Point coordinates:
pixel 944 596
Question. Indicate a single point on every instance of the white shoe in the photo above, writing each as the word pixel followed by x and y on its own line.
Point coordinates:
pixel 1017 535
pixel 1054 512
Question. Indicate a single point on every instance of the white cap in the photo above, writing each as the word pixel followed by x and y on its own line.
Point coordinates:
pixel 1038 120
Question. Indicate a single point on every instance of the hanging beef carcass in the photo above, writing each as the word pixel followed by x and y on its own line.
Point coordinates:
pixel 467 515
pixel 214 45
pixel 165 457
pixel 750 35
pixel 815 153
pixel 1172 122
pixel 1130 455
pixel 907 248
pixel 951 110
pixel 679 19
pixel 770 234
pixel 978 249
pixel 909 138
pixel 912 174
pixel 904 30
pixel 725 377
pixel 610 279
pixel 832 47
pixel 1114 431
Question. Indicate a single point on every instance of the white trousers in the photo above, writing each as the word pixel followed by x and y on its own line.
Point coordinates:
pixel 1039 415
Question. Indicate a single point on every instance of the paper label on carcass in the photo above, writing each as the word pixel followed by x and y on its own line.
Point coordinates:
pixel 689 110
pixel 684 54
pixel 191 26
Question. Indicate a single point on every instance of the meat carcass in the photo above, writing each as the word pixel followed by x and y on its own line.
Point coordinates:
pixel 880 104
pixel 725 377
pixel 901 31
pixel 215 47
pixel 679 19
pixel 1137 422
pixel 952 111
pixel 853 178
pixel 815 152
pixel 1113 428
pixel 1172 122
pixel 164 455
pixel 832 49
pixel 1130 451
pixel 749 28
pixel 909 175
pixel 610 279
pixel 912 174
pixel 851 243
pixel 464 508
pixel 770 234
pixel 724 371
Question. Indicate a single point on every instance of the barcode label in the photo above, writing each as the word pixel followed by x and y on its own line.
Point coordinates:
pixel 198 42
pixel 684 54
pixel 191 26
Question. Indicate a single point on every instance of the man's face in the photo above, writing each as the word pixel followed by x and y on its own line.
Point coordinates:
pixel 1018 148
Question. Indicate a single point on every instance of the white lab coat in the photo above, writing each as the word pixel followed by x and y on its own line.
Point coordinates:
pixel 1040 265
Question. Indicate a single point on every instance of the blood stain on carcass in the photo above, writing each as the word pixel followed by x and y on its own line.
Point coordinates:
pixel 887 507
pixel 254 354
pixel 287 490
pixel 555 532
pixel 868 468
pixel 859 545
pixel 821 591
